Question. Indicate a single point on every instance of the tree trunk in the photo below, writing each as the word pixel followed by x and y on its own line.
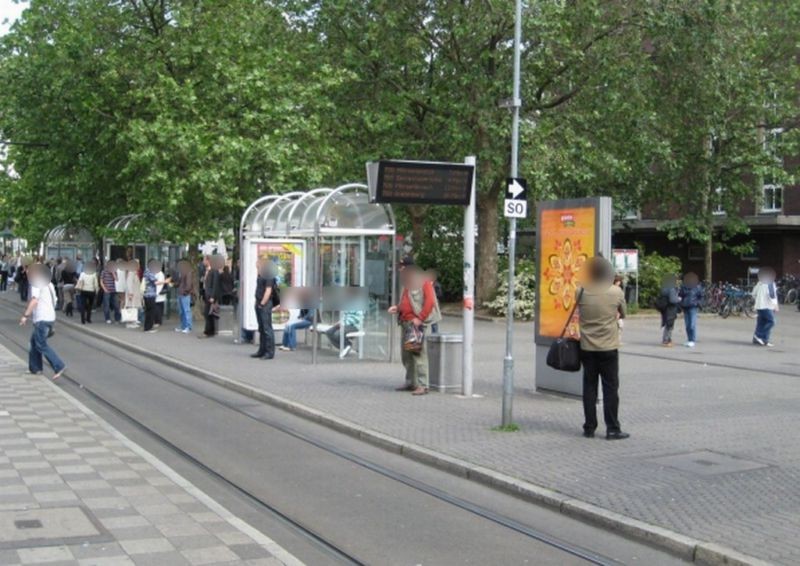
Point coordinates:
pixel 487 277
pixel 417 215
pixel 709 254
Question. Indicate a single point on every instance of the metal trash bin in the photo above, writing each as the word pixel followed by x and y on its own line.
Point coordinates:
pixel 445 362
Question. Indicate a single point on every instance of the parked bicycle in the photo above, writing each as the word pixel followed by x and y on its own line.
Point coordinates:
pixel 737 302
pixel 789 290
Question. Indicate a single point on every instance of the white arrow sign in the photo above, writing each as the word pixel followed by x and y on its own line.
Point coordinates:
pixel 515 189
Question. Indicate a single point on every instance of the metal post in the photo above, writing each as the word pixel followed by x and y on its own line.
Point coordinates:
pixel 508 362
pixel 469 285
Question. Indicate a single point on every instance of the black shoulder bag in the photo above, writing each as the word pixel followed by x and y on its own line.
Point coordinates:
pixel 565 353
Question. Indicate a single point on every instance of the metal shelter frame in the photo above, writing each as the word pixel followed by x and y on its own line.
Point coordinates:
pixel 77 238
pixel 321 216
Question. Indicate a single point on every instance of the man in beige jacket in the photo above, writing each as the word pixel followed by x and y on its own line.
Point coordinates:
pixel 601 305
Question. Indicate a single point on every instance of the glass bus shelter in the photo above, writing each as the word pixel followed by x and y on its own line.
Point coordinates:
pixel 340 249
pixel 68 242
pixel 130 238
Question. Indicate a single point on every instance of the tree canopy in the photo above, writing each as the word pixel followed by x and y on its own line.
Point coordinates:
pixel 185 111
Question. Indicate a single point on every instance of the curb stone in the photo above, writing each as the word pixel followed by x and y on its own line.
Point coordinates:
pixel 685 547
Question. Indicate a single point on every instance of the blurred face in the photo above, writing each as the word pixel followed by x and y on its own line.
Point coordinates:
pixel 39 276
pixel 766 276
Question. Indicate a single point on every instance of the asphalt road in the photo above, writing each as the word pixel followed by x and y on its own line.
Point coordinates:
pixel 346 498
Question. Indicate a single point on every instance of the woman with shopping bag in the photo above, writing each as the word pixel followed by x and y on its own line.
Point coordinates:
pixel 417 310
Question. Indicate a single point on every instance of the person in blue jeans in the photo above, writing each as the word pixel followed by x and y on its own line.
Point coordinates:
pixel 289 342
pixel 108 282
pixel 42 309
pixel 691 298
pixel 766 303
pixel 186 290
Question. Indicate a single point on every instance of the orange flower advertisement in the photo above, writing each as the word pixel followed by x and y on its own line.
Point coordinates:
pixel 567 238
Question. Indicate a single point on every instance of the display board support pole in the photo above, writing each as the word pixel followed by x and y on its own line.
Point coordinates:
pixel 508 362
pixel 469 285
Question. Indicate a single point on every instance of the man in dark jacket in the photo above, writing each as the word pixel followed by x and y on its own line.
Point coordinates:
pixel 691 300
pixel 265 285
pixel 212 294
pixel 668 304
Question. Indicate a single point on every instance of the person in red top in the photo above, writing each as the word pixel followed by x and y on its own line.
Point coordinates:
pixel 417 308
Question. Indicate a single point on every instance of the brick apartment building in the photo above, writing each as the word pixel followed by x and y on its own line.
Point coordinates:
pixel 774 221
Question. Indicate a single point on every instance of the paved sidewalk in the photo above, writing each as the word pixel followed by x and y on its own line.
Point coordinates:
pixel 75 491
pixel 714 453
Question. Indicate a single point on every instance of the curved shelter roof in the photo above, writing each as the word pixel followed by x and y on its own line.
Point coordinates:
pixel 345 210
pixel 71 235
pixel 125 222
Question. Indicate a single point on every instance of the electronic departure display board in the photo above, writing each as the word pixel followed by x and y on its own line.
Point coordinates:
pixel 421 182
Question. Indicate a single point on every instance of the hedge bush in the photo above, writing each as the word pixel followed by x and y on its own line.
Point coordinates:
pixel 524 292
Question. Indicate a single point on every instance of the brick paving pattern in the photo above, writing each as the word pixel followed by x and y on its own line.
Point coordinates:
pixel 725 397
pixel 75 491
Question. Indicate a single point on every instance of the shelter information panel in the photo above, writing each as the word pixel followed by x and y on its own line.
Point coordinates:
pixel 423 182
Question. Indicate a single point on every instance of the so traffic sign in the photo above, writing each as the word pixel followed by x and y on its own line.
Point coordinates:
pixel 516 201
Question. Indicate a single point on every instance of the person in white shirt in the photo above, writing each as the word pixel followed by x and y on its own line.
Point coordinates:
pixel 766 298
pixel 122 282
pixel 42 307
pixel 88 285
pixel 162 285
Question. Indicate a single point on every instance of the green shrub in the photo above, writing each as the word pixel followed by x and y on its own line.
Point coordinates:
pixel 652 269
pixel 445 254
pixel 524 292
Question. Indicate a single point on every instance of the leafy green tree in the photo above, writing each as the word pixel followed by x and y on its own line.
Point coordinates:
pixel 427 79
pixel 180 110
pixel 725 83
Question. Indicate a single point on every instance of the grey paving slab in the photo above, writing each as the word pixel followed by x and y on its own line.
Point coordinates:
pixel 725 397
pixel 75 491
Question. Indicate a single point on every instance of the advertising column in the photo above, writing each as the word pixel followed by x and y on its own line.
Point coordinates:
pixel 568 233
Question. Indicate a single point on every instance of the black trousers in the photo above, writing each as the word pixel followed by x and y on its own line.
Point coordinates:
pixel 266 334
pixel 149 313
pixel 603 366
pixel 87 304
pixel 211 321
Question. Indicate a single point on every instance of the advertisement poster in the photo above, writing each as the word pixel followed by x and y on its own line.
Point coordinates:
pixel 626 261
pixel 286 259
pixel 288 265
pixel 567 238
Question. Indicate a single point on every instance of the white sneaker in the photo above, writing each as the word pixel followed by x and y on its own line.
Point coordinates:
pixel 344 352
pixel 759 341
pixel 186 331
pixel 769 345
pixel 689 344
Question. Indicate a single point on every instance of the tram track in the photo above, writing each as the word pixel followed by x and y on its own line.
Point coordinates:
pixel 317 539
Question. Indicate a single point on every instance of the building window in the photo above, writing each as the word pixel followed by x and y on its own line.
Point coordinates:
pixel 772 198
pixel 752 255
pixel 631 213
pixel 697 253
pixel 719 209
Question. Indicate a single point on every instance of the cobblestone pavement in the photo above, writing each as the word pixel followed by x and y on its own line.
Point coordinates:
pixel 714 452
pixel 75 491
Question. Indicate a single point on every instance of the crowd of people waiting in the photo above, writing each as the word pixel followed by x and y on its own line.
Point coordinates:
pixel 127 292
